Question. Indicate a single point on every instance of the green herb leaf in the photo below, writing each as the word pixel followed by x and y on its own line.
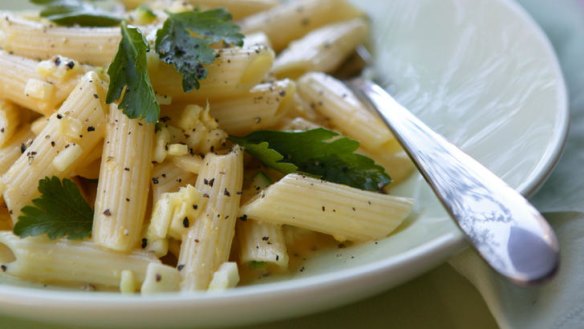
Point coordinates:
pixel 185 41
pixel 60 211
pixel 319 152
pixel 76 12
pixel 129 79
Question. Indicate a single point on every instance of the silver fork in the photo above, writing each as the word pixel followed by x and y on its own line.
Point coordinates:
pixel 505 229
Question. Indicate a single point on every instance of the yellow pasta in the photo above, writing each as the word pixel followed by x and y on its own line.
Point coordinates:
pixel 35 162
pixel 68 262
pixel 234 72
pixel 39 40
pixel 124 181
pixel 344 212
pixel 261 108
pixel 294 19
pixel 207 243
pixel 22 82
pixel 321 50
pixel 345 112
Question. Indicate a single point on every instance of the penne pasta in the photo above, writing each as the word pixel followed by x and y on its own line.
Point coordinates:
pixel 261 108
pixel 238 8
pixel 39 40
pixel 67 262
pixel 344 212
pixel 321 50
pixel 294 19
pixel 207 243
pixel 234 72
pixel 12 149
pixel 30 84
pixel 124 181
pixel 10 118
pixel 80 122
pixel 345 112
pixel 262 242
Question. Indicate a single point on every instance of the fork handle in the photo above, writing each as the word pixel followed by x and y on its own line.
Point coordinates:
pixel 505 229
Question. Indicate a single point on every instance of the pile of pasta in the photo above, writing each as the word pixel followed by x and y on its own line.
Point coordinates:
pixel 177 207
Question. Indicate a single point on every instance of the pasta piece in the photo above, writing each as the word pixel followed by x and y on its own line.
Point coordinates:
pixel 262 242
pixel 346 113
pixel 160 278
pixel 35 39
pixel 397 164
pixel 226 277
pixel 38 125
pixel 14 147
pixel 261 108
pixel 85 106
pixel 124 182
pixel 321 50
pixel 238 8
pixel 128 282
pixel 23 83
pixel 68 262
pixel 10 119
pixel 207 243
pixel 256 39
pixel 234 72
pixel 344 212
pixel 294 19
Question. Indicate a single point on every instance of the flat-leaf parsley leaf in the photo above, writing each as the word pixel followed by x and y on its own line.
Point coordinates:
pixel 129 79
pixel 186 38
pixel 60 211
pixel 76 12
pixel 319 152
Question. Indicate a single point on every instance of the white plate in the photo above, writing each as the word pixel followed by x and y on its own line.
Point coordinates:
pixel 478 71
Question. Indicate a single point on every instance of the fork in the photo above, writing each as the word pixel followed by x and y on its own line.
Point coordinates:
pixel 501 225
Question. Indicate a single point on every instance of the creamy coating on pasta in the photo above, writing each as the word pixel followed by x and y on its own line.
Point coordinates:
pixel 160 146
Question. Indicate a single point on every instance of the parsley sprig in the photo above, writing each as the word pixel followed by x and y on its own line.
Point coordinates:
pixel 186 38
pixel 185 41
pixel 318 152
pixel 76 12
pixel 129 80
pixel 60 211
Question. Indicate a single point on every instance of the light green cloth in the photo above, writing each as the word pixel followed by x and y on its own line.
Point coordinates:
pixel 443 298
pixel 559 304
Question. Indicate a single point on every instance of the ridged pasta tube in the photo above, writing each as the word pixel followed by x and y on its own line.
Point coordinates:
pixel 260 108
pixel 321 50
pixel 124 182
pixel 79 122
pixel 294 19
pixel 28 83
pixel 39 259
pixel 35 39
pixel 344 212
pixel 207 243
